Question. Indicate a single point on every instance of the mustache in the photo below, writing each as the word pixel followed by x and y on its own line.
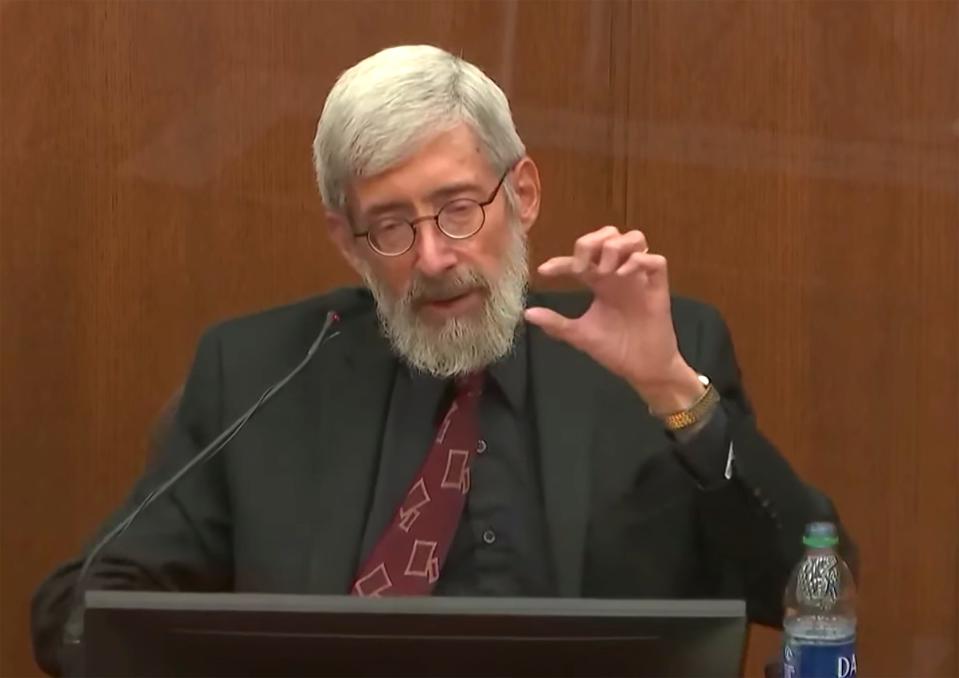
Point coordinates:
pixel 424 289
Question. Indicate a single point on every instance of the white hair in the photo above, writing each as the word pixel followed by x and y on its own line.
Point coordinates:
pixel 388 105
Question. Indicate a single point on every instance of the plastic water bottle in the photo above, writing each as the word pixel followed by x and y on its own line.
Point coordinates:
pixel 819 627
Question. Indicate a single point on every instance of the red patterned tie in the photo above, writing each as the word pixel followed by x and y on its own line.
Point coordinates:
pixel 406 561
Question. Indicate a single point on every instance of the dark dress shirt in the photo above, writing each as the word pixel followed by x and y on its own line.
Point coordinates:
pixel 501 545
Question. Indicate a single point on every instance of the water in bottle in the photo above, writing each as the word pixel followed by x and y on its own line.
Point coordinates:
pixel 819 627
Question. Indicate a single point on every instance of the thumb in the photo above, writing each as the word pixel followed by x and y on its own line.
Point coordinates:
pixel 551 322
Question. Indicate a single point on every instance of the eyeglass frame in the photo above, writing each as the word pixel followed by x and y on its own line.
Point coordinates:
pixel 436 220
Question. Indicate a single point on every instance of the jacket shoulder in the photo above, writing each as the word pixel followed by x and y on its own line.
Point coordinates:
pixel 687 310
pixel 290 327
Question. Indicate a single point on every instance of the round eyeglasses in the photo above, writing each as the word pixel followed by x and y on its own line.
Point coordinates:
pixel 458 219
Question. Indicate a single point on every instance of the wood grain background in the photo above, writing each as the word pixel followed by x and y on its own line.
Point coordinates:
pixel 798 164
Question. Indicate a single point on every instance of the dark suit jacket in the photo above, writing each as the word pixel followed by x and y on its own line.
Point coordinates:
pixel 283 508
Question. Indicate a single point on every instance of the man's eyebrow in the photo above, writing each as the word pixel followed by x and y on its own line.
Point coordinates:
pixel 440 194
pixel 391 206
pixel 448 191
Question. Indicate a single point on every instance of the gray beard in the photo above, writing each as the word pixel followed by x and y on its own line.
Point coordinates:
pixel 463 344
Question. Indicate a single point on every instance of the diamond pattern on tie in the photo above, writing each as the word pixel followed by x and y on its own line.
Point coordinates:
pixel 373 584
pixel 457 475
pixel 422 562
pixel 415 500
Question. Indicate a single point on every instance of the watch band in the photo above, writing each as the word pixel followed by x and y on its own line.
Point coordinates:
pixel 695 412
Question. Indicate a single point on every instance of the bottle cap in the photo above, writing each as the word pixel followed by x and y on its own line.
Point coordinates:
pixel 820 535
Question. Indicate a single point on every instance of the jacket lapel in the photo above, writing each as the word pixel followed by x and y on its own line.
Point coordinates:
pixel 354 379
pixel 351 383
pixel 564 383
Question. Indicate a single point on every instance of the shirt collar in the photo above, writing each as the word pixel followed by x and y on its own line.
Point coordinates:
pixel 508 373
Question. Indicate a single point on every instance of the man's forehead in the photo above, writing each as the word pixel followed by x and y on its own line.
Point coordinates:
pixel 441 166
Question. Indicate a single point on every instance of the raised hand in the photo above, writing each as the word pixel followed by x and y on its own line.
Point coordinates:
pixel 628 328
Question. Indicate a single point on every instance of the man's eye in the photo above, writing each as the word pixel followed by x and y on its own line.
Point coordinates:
pixel 388 226
pixel 459 207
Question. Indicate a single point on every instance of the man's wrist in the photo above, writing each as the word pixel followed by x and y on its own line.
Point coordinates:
pixel 676 392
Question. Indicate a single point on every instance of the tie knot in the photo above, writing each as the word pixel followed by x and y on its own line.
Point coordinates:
pixel 470 384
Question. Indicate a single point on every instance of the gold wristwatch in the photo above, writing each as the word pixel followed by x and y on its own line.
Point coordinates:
pixel 696 412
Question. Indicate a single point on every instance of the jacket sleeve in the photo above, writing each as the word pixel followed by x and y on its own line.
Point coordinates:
pixel 752 525
pixel 180 542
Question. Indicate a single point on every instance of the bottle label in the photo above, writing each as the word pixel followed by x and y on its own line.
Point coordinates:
pixel 815 660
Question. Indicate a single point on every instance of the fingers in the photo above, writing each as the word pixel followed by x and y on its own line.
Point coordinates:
pixel 556 266
pixel 551 322
pixel 615 251
pixel 588 248
pixel 599 253
pixel 651 267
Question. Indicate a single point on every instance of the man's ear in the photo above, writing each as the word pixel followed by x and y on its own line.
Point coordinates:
pixel 526 186
pixel 341 233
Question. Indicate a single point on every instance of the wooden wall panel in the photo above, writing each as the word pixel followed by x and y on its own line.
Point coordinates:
pixel 156 177
pixel 799 165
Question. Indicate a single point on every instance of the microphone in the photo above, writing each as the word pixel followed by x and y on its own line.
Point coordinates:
pixel 73 629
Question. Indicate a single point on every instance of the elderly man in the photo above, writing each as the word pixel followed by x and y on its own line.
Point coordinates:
pixel 458 436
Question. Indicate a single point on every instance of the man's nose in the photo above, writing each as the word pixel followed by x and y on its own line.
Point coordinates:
pixel 435 253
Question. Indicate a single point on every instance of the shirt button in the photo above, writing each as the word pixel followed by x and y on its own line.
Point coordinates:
pixel 489 536
pixel 481 446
